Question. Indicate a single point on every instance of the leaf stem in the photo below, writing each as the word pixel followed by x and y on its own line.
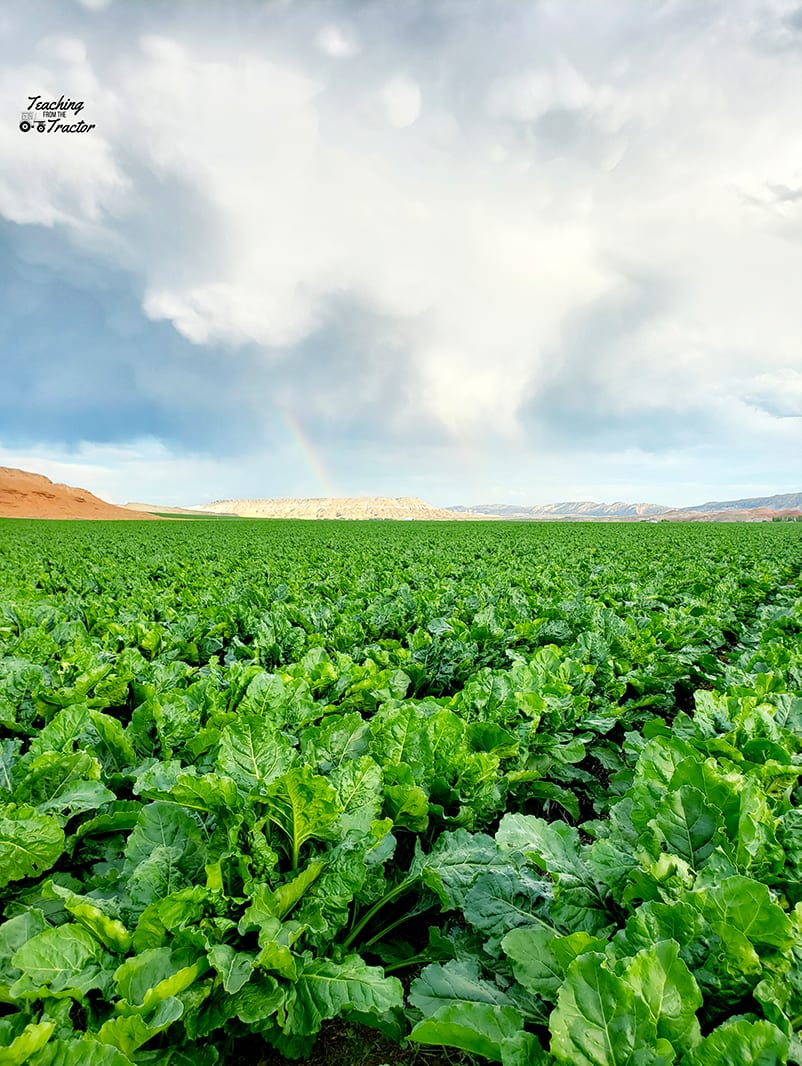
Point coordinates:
pixel 394 893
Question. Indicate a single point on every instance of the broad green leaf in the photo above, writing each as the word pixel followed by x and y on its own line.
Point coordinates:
pixel 120 817
pixel 77 797
pixel 554 846
pixel 540 957
pixel 456 861
pixel 457 980
pixel 669 990
pixel 286 896
pixel 579 901
pixel 326 904
pixel 358 784
pixel 478 1028
pixel 720 789
pixel 59 781
pixel 339 740
pixel 655 921
pixel 109 930
pixel 64 730
pixel 303 806
pixel 154 975
pixel 23 1044
pixel 233 967
pixel 212 793
pixel 405 801
pixel 600 1020
pixel 30 843
pixel 18 931
pixel 253 753
pixel 63 959
pixel 689 827
pixel 164 853
pixel 81 1051
pixel 503 900
pixel 9 757
pixel 114 748
pixel 657 762
pixel 129 1032
pixel 524 1049
pixel 758 850
pixel 741 1041
pixel 326 989
pixel 258 1000
pixel 748 907
pixel 399 735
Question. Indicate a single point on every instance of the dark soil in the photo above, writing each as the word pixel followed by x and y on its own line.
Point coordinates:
pixel 344 1044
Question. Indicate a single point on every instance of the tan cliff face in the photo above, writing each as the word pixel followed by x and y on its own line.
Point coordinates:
pixel 399 508
pixel 27 495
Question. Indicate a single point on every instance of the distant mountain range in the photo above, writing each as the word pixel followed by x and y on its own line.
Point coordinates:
pixel 787 501
pixel 569 509
pixel 408 508
pixel 755 508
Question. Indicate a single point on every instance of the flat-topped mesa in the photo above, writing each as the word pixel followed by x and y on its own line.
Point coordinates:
pixel 398 508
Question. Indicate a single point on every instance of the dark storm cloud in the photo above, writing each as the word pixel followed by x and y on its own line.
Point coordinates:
pixel 80 362
pixel 352 380
pixel 586 396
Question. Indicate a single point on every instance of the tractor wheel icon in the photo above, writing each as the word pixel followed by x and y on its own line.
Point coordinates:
pixel 40 127
pixel 24 125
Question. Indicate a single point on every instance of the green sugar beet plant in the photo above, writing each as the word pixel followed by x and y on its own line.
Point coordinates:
pixel 244 765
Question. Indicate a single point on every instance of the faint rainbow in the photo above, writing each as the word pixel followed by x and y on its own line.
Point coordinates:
pixel 313 456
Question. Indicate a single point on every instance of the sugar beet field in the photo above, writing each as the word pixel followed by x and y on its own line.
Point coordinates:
pixel 400 793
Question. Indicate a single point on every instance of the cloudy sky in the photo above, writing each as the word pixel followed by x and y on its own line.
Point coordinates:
pixel 471 250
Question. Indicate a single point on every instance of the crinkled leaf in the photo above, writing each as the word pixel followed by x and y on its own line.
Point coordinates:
pixel 404 799
pixel 325 989
pixel 302 805
pixel 758 850
pixel 399 735
pixel 339 740
pixel 164 853
pixel 20 1042
pixel 741 1041
pixel 579 900
pixel 9 757
pixel 503 900
pixel 62 959
pixel 82 1051
pixel 52 779
pixel 358 784
pixel 253 752
pixel 30 843
pixel 457 980
pixel 258 1000
pixel 456 861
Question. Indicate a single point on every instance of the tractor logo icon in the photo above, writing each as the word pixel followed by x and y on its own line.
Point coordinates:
pixel 29 120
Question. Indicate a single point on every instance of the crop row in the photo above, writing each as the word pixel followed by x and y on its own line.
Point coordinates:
pixel 240 765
